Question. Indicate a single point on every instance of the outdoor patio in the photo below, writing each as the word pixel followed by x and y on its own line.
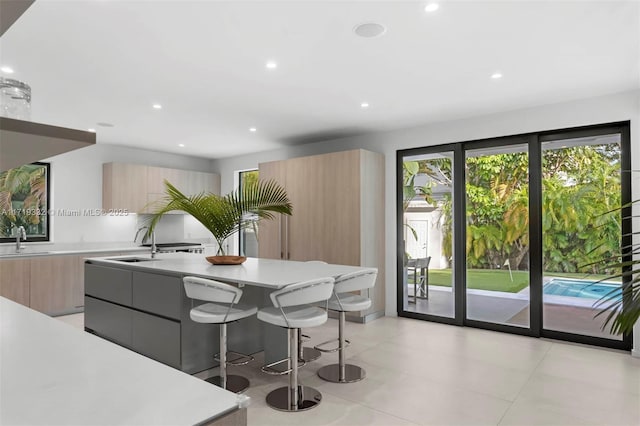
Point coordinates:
pixel 512 309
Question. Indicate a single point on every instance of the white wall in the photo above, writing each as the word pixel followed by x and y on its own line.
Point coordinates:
pixel 76 184
pixel 604 109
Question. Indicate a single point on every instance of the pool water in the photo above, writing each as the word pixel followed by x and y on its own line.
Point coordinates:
pixel 583 289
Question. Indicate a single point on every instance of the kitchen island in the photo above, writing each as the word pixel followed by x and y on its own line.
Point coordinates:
pixel 140 303
pixel 53 374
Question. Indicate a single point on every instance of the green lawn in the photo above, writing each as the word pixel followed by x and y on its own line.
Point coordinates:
pixel 495 280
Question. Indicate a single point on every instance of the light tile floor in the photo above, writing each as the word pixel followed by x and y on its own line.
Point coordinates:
pixel 432 374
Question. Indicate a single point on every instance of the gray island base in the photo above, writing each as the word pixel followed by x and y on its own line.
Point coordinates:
pixel 142 305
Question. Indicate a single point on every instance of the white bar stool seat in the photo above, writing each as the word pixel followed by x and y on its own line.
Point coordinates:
pixel 310 316
pixel 343 301
pixel 215 313
pixel 293 309
pixel 222 309
pixel 349 303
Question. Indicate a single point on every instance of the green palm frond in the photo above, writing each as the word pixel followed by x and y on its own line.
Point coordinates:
pixel 225 215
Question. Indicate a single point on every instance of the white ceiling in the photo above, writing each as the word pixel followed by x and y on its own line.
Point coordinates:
pixel 204 61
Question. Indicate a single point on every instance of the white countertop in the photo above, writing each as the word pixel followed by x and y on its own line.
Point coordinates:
pixel 54 374
pixel 269 273
pixel 8 251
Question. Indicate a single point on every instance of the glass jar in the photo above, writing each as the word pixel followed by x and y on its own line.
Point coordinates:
pixel 15 99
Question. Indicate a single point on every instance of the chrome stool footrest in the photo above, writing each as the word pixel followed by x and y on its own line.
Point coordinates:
pixel 246 359
pixel 242 359
pixel 269 370
pixel 336 349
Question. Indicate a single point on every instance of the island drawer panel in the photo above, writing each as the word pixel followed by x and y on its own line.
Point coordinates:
pixel 107 320
pixel 157 338
pixel 158 294
pixel 108 283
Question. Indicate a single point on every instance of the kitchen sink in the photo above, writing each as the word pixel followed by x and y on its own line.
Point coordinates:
pixel 133 259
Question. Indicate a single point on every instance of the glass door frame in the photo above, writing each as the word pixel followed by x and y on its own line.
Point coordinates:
pixel 622 128
pixel 535 280
pixel 458 266
pixel 534 141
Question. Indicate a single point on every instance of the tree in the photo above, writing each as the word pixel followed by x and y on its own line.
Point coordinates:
pixel 22 196
pixel 581 190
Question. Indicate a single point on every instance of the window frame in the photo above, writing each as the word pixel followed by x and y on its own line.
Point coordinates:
pixel 47 206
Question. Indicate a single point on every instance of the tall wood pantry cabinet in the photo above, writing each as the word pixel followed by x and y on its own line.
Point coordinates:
pixel 338 214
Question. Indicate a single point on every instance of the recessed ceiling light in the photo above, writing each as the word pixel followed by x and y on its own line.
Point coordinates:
pixel 272 65
pixel 369 30
pixel 364 105
pixel 91 130
pixel 7 70
pixel 496 75
pixel 157 106
pixel 253 129
pixel 103 124
pixel 181 145
pixel 431 7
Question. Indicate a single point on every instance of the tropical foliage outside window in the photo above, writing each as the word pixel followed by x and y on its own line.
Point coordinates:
pixel 248 236
pixel 581 192
pixel 24 201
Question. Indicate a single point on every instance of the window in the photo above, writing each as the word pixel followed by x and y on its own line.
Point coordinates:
pixel 249 235
pixel 24 201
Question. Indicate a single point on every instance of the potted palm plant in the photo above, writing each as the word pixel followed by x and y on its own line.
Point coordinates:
pixel 225 215
pixel 621 308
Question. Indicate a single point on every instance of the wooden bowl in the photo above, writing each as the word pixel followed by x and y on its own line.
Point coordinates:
pixel 226 260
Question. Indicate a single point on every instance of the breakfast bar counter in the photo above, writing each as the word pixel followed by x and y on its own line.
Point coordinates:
pixel 140 303
pixel 53 374
pixel 268 273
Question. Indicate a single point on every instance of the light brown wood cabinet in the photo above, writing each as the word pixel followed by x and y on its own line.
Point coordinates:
pixel 124 186
pixel 53 285
pixel 53 280
pixel 136 186
pixel 338 214
pixel 14 280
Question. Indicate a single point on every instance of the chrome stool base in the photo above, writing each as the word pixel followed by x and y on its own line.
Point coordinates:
pixel 310 354
pixel 352 373
pixel 279 399
pixel 235 384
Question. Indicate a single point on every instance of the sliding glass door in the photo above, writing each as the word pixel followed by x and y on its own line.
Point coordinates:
pixel 497 234
pixel 427 233
pixel 517 233
pixel 581 223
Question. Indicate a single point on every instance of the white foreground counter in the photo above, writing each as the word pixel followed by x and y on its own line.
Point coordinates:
pixel 53 374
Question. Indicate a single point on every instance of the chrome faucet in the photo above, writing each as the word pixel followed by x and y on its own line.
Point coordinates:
pixel 21 235
pixel 153 240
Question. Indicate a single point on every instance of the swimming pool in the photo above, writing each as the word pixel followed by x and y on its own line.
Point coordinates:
pixel 583 289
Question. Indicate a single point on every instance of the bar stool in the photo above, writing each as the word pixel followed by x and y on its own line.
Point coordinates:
pixel 307 353
pixel 223 310
pixel 292 310
pixel 343 301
